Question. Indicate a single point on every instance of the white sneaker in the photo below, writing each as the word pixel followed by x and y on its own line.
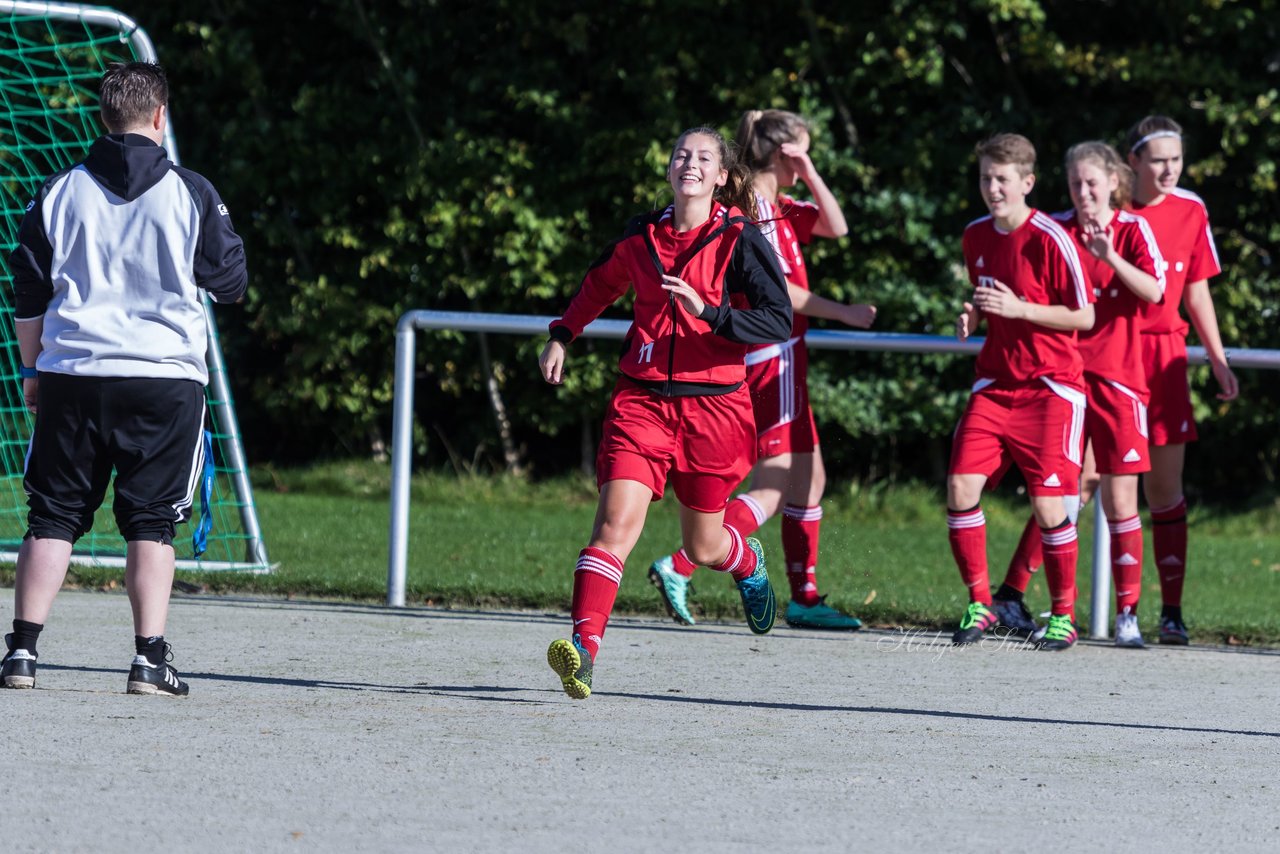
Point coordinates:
pixel 1127 633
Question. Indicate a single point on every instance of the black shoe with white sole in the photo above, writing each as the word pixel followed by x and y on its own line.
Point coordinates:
pixel 18 668
pixel 148 678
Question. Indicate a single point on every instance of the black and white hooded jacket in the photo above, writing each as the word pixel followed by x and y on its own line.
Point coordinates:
pixel 113 253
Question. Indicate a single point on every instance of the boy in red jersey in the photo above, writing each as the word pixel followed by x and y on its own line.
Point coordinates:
pixel 789 475
pixel 1123 264
pixel 1181 225
pixel 706 285
pixel 1028 402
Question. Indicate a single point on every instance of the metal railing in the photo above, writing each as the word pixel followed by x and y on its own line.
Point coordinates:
pixel 818 339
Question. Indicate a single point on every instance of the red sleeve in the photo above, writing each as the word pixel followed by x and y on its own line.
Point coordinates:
pixel 1204 255
pixel 803 216
pixel 1066 277
pixel 607 280
pixel 970 250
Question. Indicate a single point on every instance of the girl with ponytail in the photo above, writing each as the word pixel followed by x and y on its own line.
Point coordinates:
pixel 789 476
pixel 707 286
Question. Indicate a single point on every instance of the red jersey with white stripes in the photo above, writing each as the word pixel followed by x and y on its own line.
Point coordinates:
pixel 1181 226
pixel 1112 349
pixel 787 225
pixel 1038 261
pixel 730 265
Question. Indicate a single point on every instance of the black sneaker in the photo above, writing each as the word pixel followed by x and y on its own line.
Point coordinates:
pixel 148 678
pixel 18 669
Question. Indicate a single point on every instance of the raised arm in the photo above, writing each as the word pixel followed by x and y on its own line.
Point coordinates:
pixel 831 221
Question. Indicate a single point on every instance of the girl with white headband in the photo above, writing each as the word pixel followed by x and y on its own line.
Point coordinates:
pixel 1180 222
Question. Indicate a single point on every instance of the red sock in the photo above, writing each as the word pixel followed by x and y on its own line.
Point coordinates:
pixel 1126 561
pixel 741 561
pixel 967 530
pixel 800 529
pixel 595 586
pixel 1027 557
pixel 745 514
pixel 1061 548
pixel 1169 547
pixel 680 563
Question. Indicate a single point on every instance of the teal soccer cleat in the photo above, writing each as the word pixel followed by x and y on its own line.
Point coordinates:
pixel 819 615
pixel 674 588
pixel 758 601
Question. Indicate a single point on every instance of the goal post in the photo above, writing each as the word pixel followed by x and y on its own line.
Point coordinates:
pixel 52 56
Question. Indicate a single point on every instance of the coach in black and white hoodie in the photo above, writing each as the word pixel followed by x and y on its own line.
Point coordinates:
pixel 112 257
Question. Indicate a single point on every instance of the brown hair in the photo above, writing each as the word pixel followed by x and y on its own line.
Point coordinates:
pixel 1009 148
pixel 737 191
pixel 1110 161
pixel 130 92
pixel 1138 136
pixel 762 132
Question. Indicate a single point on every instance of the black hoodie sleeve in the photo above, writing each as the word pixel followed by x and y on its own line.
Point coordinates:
pixel 219 261
pixel 32 261
pixel 753 271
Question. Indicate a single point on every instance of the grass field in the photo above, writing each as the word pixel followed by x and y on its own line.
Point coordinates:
pixel 504 541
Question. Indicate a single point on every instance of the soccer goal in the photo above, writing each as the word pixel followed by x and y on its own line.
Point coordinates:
pixel 52 56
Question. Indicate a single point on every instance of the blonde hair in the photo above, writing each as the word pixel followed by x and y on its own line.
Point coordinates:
pixel 737 191
pixel 1009 148
pixel 1110 161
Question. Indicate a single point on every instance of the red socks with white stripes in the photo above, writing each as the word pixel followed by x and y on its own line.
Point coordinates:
pixel 1061 549
pixel 1126 561
pixel 744 514
pixel 741 561
pixel 595 586
pixel 1169 548
pixel 800 529
pixel 967 531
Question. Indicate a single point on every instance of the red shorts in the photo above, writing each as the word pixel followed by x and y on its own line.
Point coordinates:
pixel 779 380
pixel 1164 358
pixel 705 444
pixel 1116 424
pixel 1037 427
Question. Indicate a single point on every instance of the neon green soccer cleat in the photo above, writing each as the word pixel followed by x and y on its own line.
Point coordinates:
pixel 819 615
pixel 1060 634
pixel 758 601
pixel 978 619
pixel 572 663
pixel 674 588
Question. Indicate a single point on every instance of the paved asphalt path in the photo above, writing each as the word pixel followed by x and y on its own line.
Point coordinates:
pixel 325 726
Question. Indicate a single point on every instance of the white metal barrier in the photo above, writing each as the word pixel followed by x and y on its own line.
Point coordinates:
pixel 818 339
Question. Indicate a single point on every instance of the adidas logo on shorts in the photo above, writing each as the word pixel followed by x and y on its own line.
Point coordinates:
pixel 1133 456
pixel 1052 480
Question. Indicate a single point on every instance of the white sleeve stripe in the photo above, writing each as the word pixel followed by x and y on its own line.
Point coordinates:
pixel 1192 197
pixel 1213 247
pixel 1068 249
pixel 770 230
pixel 1153 248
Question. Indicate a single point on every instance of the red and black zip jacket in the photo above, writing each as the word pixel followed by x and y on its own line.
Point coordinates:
pixel 667 350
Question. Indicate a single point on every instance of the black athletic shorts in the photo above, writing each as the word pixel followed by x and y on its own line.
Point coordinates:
pixel 148 430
